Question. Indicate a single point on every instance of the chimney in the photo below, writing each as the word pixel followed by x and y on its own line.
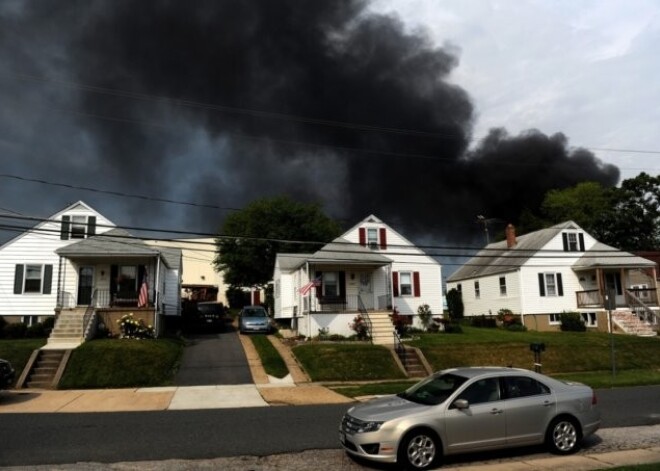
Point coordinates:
pixel 510 236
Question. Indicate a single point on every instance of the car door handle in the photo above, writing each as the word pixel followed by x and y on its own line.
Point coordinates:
pixel 496 411
pixel 548 403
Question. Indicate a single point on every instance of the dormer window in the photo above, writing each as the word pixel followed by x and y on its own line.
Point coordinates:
pixel 77 227
pixel 573 241
pixel 373 237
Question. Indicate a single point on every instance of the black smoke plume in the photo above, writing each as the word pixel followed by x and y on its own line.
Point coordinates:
pixel 226 101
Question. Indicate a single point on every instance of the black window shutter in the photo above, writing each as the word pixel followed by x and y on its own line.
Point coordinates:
pixel 564 239
pixel 48 279
pixel 541 285
pixel 66 227
pixel 581 239
pixel 319 288
pixel 560 286
pixel 342 284
pixel 91 226
pixel 114 271
pixel 18 279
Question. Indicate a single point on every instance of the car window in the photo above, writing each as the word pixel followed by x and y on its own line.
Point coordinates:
pixel 434 389
pixel 483 390
pixel 254 313
pixel 522 386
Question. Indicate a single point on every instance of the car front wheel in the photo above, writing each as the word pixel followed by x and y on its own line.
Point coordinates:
pixel 563 436
pixel 418 450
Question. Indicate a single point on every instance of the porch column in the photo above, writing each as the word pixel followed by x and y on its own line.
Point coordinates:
pixel 156 295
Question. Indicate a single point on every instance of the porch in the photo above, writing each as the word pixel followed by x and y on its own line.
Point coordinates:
pixel 595 298
pixel 347 304
pixel 628 286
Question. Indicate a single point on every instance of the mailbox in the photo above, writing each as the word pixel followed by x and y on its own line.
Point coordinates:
pixel 537 347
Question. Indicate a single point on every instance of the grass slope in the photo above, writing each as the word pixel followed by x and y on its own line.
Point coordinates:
pixel 18 351
pixel 270 357
pixel 125 363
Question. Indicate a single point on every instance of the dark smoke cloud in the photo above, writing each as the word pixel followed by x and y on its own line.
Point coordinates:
pixel 168 99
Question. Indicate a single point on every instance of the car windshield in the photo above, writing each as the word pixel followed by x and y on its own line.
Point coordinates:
pixel 434 389
pixel 254 313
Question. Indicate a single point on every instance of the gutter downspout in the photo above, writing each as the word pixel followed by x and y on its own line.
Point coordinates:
pixel 156 296
pixel 309 304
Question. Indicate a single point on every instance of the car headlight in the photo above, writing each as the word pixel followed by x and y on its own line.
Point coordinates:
pixel 369 427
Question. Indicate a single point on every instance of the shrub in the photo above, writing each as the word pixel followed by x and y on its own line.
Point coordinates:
pixel 15 330
pixel 484 321
pixel 134 329
pixel 36 331
pixel 359 326
pixel 455 304
pixel 3 323
pixel 336 337
pixel 453 328
pixel 572 322
pixel 516 328
pixel 401 323
pixel 425 315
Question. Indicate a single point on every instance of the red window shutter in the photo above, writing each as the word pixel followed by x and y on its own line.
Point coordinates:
pixel 395 283
pixel 257 298
pixel 416 290
pixel 383 239
pixel 363 237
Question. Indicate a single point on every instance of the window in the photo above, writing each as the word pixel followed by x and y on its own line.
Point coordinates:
pixel 372 238
pixel 589 319
pixel 477 294
pixel 521 386
pixel 33 278
pixel 77 227
pixel 555 319
pixel 127 278
pixel 502 286
pixel 550 284
pixel 484 390
pixel 405 283
pixel 573 241
pixel 330 283
pixel 30 320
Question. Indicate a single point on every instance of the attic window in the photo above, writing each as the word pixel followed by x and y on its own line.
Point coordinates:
pixel 77 227
pixel 573 241
pixel 372 238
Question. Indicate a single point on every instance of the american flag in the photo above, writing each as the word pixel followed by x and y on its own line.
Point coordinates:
pixel 143 297
pixel 306 288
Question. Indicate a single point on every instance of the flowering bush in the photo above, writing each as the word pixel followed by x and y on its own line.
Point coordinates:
pixel 132 328
pixel 359 326
pixel 401 323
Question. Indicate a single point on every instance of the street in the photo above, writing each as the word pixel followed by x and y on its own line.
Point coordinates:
pixel 205 434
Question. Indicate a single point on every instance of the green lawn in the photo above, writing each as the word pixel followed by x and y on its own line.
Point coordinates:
pixel 347 362
pixel 115 363
pixel 270 357
pixel 18 351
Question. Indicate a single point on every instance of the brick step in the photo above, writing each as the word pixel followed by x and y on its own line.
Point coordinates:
pixel 45 370
pixel 39 384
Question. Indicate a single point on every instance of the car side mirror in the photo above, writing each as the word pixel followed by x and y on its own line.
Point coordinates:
pixel 461 404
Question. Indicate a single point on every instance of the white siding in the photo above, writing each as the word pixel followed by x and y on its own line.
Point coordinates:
pixel 37 246
pixel 490 300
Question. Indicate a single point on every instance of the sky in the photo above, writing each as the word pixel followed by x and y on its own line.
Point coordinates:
pixel 427 113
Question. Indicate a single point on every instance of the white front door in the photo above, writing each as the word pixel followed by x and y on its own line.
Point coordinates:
pixel 365 289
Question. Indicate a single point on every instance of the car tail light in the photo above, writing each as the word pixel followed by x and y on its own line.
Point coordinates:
pixel 594 399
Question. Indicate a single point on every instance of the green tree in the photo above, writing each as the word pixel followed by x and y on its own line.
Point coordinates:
pixel 587 204
pixel 634 220
pixel 251 238
pixel 455 304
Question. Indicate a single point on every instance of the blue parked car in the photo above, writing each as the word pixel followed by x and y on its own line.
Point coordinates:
pixel 254 319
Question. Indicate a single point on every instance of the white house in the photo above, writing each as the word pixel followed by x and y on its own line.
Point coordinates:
pixel 369 269
pixel 78 262
pixel 559 269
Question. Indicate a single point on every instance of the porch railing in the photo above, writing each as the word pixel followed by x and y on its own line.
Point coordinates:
pixel 365 315
pixel 89 318
pixel 640 308
pixel 334 304
pixel 594 298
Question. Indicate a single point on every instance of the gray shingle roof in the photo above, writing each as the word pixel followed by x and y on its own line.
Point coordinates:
pixel 496 258
pixel 111 243
pixel 339 250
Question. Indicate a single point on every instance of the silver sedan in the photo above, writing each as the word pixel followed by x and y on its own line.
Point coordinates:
pixel 463 410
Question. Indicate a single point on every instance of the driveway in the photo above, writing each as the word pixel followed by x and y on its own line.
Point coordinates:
pixel 213 359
